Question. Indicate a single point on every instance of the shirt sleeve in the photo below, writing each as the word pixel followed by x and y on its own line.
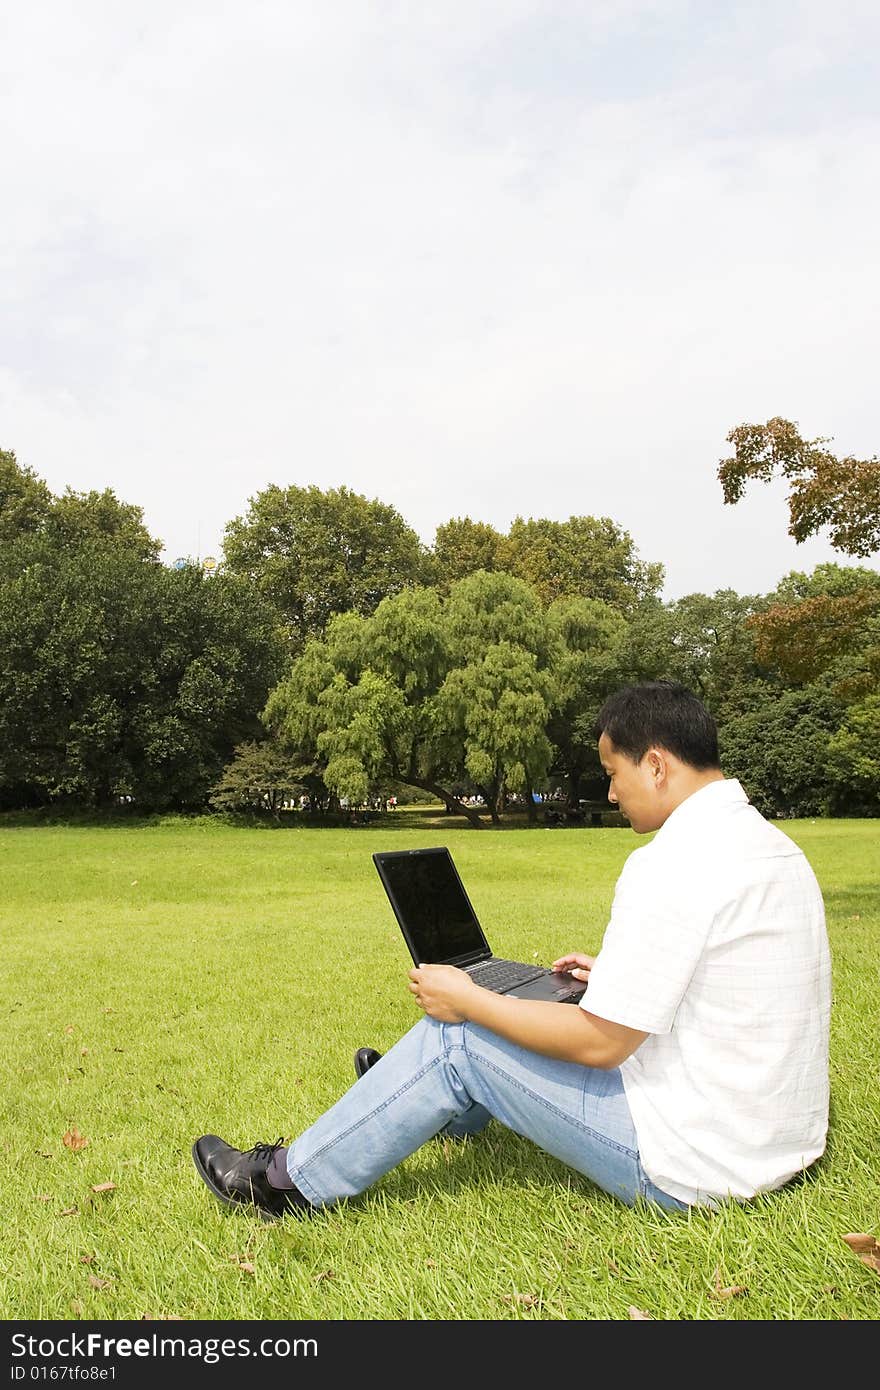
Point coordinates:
pixel 652 945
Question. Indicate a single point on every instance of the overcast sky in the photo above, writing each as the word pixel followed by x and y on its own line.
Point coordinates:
pixel 471 257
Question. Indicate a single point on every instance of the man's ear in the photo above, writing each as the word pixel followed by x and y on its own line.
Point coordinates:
pixel 655 761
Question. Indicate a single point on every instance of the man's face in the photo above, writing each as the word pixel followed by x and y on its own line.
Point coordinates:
pixel 633 787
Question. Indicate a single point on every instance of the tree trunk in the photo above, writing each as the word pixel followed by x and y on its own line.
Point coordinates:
pixel 574 787
pixel 491 796
pixel 531 808
pixel 424 785
pixel 488 795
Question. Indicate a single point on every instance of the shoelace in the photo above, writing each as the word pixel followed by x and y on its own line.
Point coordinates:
pixel 266 1151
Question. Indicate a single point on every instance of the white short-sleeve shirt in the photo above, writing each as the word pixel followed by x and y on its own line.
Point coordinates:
pixel 717 947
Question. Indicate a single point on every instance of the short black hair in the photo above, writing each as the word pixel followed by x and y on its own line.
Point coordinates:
pixel 660 714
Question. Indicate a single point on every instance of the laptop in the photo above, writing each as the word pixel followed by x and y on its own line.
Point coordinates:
pixel 440 927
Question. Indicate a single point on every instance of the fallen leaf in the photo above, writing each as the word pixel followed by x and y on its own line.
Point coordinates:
pixel 97 1283
pixel 87 1259
pixel 860 1243
pixel 104 1187
pixel 527 1300
pixel 84 1052
pixel 636 1314
pixel 243 1263
pixel 44 1197
pixel 72 1139
pixel 325 1274
pixel 615 1269
pixel 866 1248
pixel 160 1317
pixel 106 1011
pixel 726 1290
pixel 70 1211
pixel 69 1028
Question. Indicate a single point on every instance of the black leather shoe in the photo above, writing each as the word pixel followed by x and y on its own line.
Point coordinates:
pixel 237 1177
pixel 364 1058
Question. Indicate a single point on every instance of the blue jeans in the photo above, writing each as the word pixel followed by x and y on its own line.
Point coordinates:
pixel 454 1078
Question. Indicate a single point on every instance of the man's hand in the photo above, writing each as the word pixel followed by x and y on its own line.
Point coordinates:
pixel 576 964
pixel 450 995
pixel 443 991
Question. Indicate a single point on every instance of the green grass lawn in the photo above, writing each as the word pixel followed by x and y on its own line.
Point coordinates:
pixel 168 979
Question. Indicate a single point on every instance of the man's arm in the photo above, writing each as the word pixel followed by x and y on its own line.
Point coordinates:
pixel 555 1030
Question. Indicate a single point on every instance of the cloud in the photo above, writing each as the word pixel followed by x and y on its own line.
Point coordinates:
pixel 486 259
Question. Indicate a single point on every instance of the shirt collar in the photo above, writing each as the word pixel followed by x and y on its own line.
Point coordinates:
pixel 711 800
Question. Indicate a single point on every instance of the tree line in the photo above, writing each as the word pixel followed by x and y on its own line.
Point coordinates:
pixel 333 652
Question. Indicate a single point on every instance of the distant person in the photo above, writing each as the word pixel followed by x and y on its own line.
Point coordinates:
pixel 695 1067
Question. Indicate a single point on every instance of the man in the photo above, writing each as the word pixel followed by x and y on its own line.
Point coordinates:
pixel 695 1067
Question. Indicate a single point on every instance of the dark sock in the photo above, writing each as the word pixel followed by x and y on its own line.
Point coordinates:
pixel 276 1173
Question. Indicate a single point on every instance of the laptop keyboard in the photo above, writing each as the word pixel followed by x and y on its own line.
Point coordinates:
pixel 504 974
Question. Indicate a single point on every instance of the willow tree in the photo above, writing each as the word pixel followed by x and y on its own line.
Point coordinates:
pixel 428 692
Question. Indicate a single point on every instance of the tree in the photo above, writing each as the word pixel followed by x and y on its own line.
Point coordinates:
pixel 122 677
pixel 314 554
pixel 591 636
pixel 426 692
pixel 260 778
pixel 25 500
pixel 803 640
pixel 702 640
pixel 586 556
pixel 78 517
pixel 841 493
pixel 461 547
pixel 28 509
pixel 854 759
pixel 780 750
pixel 823 624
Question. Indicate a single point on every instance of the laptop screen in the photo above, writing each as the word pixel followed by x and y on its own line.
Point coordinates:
pixel 431 905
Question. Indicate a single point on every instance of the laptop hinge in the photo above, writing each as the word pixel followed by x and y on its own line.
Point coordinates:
pixel 469 958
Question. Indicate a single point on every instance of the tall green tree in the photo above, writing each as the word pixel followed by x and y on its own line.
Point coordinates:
pixel 260 778
pixel 463 546
pixel 25 500
pixel 705 641
pixel 591 637
pixel 427 692
pixel 314 554
pixel 28 510
pixel 124 678
pixel 118 677
pixel 854 757
pixel 586 556
pixel 500 689
pixel 780 751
